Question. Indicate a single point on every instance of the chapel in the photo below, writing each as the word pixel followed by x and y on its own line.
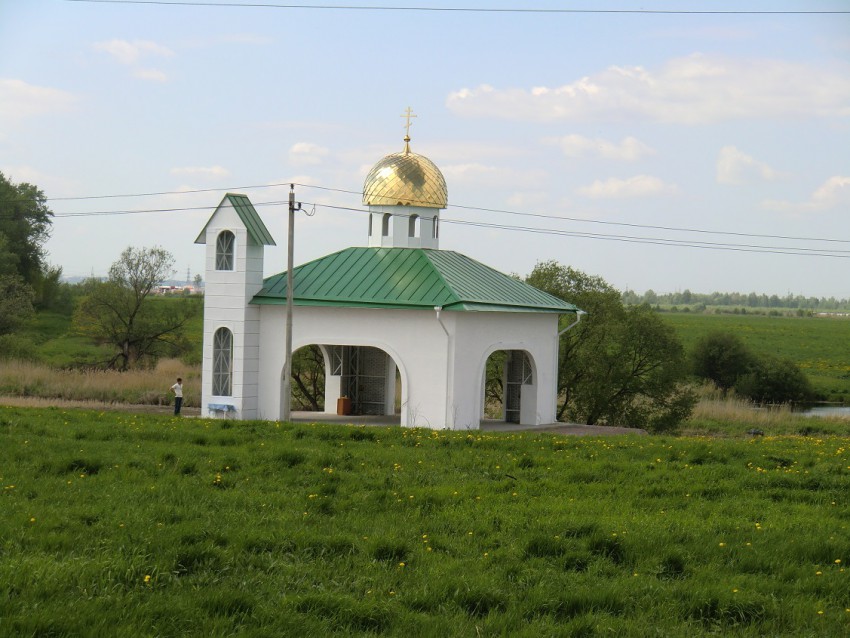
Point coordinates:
pixel 404 327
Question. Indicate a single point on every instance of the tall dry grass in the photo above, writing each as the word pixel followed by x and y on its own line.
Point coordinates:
pixel 716 414
pixel 715 405
pixel 735 409
pixel 147 387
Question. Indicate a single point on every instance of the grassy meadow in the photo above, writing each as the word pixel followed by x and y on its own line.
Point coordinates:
pixel 819 345
pixel 140 387
pixel 142 525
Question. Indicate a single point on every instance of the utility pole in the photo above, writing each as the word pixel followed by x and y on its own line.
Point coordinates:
pixel 287 368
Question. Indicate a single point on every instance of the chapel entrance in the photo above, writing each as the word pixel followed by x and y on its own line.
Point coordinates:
pixel 510 387
pixel 363 379
pixel 346 380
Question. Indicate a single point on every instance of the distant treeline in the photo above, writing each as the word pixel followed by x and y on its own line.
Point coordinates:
pixel 737 299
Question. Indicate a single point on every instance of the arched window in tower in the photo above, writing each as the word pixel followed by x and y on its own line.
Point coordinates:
pixel 370 225
pixel 222 362
pixel 436 227
pixel 224 249
pixel 413 226
pixel 385 225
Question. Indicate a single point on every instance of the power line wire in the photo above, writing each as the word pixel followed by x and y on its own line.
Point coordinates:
pixel 661 241
pixel 508 10
pixel 782 250
pixel 195 190
pixel 359 193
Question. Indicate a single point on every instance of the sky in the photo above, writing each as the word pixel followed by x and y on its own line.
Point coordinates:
pixel 663 151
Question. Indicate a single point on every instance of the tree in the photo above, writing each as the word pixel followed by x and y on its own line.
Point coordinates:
pixel 25 223
pixel 119 312
pixel 15 302
pixel 308 377
pixel 723 358
pixel 16 296
pixel 619 366
pixel 773 380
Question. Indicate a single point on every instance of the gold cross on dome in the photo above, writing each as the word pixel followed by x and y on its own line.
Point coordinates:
pixel 408 114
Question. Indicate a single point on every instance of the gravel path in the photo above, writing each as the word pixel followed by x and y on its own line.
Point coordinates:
pixel 572 429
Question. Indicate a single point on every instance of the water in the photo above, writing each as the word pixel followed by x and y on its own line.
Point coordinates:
pixel 825 410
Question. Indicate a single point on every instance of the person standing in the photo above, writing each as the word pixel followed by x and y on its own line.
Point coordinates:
pixel 177 389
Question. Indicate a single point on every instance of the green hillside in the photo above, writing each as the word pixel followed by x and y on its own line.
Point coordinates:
pixel 819 345
pixel 120 524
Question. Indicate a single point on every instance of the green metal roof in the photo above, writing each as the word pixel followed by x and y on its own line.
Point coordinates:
pixel 413 278
pixel 250 217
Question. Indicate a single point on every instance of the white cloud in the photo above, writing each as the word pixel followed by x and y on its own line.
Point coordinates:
pixel 637 186
pixel 19 100
pixel 307 153
pixel 833 192
pixel 494 176
pixel 131 52
pixel 201 171
pixel 468 171
pixel 628 149
pixel 696 89
pixel 524 199
pixel 736 167
pixel 154 75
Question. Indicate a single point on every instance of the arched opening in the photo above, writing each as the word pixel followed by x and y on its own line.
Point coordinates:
pixel 385 225
pixel 308 379
pixel 510 386
pixel 346 380
pixel 225 245
pixel 413 226
pixel 436 227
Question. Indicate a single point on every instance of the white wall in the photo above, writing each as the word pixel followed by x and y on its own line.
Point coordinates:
pixel 412 338
pixel 483 333
pixel 400 227
pixel 441 375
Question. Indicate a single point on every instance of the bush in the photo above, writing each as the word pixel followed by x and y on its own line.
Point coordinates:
pixel 773 380
pixel 721 357
pixel 16 347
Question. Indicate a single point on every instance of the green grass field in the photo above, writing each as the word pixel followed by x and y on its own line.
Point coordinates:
pixel 125 525
pixel 819 345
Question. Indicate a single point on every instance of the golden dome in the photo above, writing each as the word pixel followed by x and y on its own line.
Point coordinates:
pixel 405 179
